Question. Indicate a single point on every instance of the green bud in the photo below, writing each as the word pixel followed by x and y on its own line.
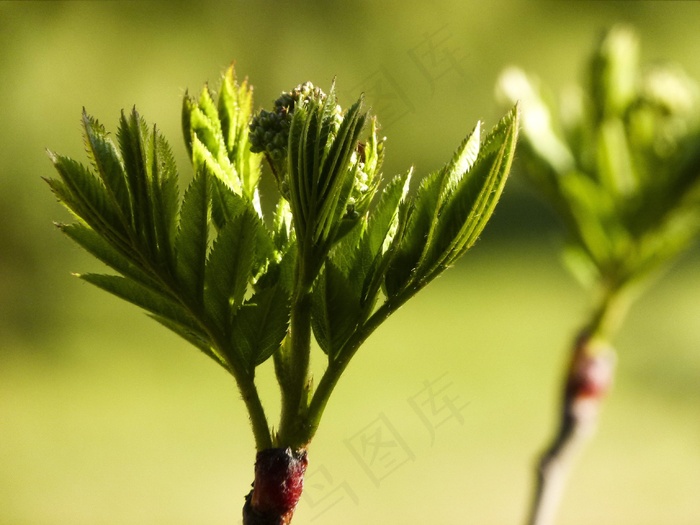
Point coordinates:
pixel 269 130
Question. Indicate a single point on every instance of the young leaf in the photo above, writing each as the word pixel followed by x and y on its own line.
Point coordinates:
pixel 235 107
pixel 384 230
pixel 452 207
pixel 112 256
pixel 85 195
pixel 194 338
pixel 259 326
pixel 153 301
pixel 230 265
pixel 164 196
pixel 132 141
pixel 474 198
pixel 615 170
pixel 335 310
pixel 364 256
pixel 335 173
pixel 162 308
pixel 192 238
pixel 420 213
pixel 109 165
pixel 215 162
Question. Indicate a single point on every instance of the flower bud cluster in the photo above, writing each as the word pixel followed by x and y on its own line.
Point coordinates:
pixel 269 130
pixel 366 165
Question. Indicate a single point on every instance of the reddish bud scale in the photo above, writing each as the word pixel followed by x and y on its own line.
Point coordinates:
pixel 279 481
pixel 590 376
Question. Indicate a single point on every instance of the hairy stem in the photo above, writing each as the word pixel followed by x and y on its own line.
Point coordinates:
pixel 337 366
pixel 295 385
pixel 258 419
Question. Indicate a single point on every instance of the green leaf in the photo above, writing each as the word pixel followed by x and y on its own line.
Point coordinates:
pixel 283 232
pixel 595 223
pixel 364 256
pixel 192 238
pixel 335 172
pixel 614 72
pixel 164 196
pixel 449 177
pixel 195 339
pixel 217 135
pixel 188 106
pixel 419 219
pixel 162 308
pixel 469 207
pixel 85 195
pixel 615 169
pixel 225 203
pixel 298 185
pixel 462 161
pixel 201 120
pixel 383 218
pixel 452 207
pixel 157 303
pixel 109 165
pixel 259 326
pixel 320 172
pixel 542 143
pixel 335 309
pixel 235 107
pixel 230 265
pixel 217 163
pixel 98 246
pixel 385 229
pixel 132 141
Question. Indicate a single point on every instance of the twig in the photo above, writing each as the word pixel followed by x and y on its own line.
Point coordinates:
pixel 589 378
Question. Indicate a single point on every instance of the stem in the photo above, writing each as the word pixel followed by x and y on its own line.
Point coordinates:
pixel 295 385
pixel 258 419
pixel 337 366
pixel 588 379
pixel 244 381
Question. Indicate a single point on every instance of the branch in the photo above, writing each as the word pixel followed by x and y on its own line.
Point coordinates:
pixel 589 378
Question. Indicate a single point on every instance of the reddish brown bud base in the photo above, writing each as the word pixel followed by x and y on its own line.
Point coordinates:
pixel 590 373
pixel 279 481
pixel 591 377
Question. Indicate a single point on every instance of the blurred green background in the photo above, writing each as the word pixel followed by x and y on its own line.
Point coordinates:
pixel 107 418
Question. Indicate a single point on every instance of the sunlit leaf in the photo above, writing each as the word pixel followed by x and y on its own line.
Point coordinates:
pixel 121 261
pixel 230 265
pixel 146 298
pixel 132 136
pixel 193 237
pixel 85 195
pixel 336 309
pixel 109 165
pixel 260 325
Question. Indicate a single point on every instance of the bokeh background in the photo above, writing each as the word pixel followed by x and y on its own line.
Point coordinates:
pixel 107 418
